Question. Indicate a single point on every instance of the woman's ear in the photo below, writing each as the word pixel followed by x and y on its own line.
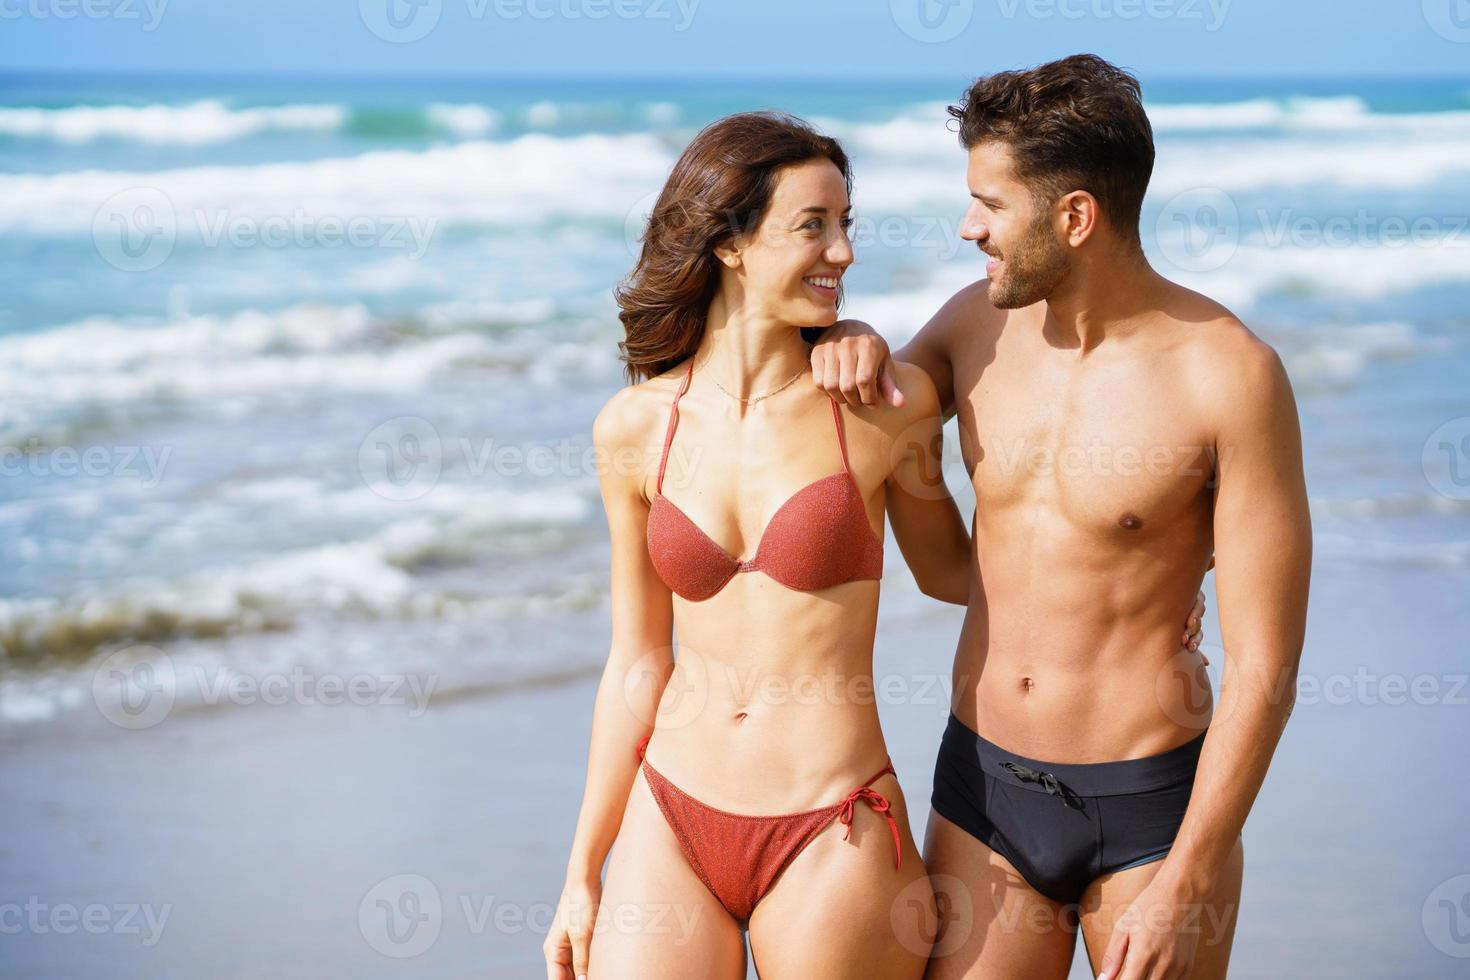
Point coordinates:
pixel 729 254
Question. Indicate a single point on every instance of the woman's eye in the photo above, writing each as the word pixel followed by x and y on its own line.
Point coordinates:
pixel 846 224
pixel 813 225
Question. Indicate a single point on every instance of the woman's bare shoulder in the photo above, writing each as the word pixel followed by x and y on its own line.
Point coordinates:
pixel 636 412
pixel 920 401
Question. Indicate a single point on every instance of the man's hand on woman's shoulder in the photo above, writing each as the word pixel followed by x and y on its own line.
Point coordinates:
pixel 851 363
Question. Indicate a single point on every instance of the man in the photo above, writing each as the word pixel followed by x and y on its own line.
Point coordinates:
pixel 1118 430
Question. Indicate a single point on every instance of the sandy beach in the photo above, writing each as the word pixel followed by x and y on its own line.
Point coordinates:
pixel 272 841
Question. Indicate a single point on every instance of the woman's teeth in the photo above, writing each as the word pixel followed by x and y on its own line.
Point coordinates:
pixel 826 282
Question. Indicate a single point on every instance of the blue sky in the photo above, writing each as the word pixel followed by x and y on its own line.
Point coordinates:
pixel 738 37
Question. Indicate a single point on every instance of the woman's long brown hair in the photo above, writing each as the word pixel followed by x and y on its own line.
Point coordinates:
pixel 719 188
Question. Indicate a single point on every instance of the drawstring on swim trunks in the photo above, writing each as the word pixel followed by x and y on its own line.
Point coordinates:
pixel 1046 780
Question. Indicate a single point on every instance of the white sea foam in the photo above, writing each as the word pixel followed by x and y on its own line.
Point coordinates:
pixel 1299 114
pixel 1256 270
pixel 522 180
pixel 464 120
pixel 1341 352
pixel 207 121
pixel 1377 161
pixel 371 577
pixel 103 363
pixel 906 165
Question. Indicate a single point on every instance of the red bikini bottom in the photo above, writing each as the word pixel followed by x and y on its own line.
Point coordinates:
pixel 739 856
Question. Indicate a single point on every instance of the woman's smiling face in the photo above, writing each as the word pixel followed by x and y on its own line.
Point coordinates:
pixel 790 269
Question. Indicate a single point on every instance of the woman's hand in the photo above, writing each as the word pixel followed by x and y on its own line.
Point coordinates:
pixel 1193 630
pixel 570 937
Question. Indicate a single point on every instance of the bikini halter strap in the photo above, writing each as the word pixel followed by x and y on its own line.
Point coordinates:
pixel 663 461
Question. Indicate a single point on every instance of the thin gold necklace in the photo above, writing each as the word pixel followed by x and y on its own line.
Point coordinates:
pixel 752 399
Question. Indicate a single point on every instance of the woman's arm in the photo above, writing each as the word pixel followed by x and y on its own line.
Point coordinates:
pixel 926 521
pixel 639 663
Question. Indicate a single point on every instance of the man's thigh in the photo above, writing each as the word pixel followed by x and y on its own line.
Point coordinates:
pixel 1214 920
pixel 992 924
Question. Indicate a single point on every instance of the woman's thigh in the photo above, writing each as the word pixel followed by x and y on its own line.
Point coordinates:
pixel 841 910
pixel 657 920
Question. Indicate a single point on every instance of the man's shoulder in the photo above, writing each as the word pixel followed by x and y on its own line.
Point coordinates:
pixel 970 310
pixel 1225 358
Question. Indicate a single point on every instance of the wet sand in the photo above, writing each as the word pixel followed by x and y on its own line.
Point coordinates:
pixel 274 841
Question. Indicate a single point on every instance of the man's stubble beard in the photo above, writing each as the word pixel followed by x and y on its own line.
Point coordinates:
pixel 1033 269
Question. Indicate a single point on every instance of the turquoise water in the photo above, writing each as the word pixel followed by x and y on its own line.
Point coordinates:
pixel 220 288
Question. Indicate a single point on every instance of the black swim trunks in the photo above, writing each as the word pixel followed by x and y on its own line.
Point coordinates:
pixel 1063 825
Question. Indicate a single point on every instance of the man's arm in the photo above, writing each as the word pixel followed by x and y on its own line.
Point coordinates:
pixel 926 522
pixel 851 362
pixel 1263 549
pixel 1263 563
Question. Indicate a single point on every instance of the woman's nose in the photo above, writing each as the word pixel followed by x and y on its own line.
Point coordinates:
pixel 839 252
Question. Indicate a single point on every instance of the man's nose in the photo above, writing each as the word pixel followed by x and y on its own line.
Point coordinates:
pixel 974 229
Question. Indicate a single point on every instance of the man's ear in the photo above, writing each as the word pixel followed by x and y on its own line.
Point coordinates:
pixel 1078 215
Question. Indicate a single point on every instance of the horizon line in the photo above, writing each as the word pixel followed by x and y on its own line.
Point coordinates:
pixel 542 76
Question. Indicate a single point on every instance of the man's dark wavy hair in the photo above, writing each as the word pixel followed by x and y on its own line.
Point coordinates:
pixel 1073 124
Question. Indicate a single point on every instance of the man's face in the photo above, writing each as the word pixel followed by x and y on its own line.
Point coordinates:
pixel 1027 258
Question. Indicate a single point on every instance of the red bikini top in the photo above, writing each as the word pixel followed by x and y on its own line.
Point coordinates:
pixel 820 537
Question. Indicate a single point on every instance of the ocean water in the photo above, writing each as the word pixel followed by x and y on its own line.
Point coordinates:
pixel 293 363
pixel 297 377
pixel 291 366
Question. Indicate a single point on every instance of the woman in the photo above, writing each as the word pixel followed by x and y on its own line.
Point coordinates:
pixel 748 784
